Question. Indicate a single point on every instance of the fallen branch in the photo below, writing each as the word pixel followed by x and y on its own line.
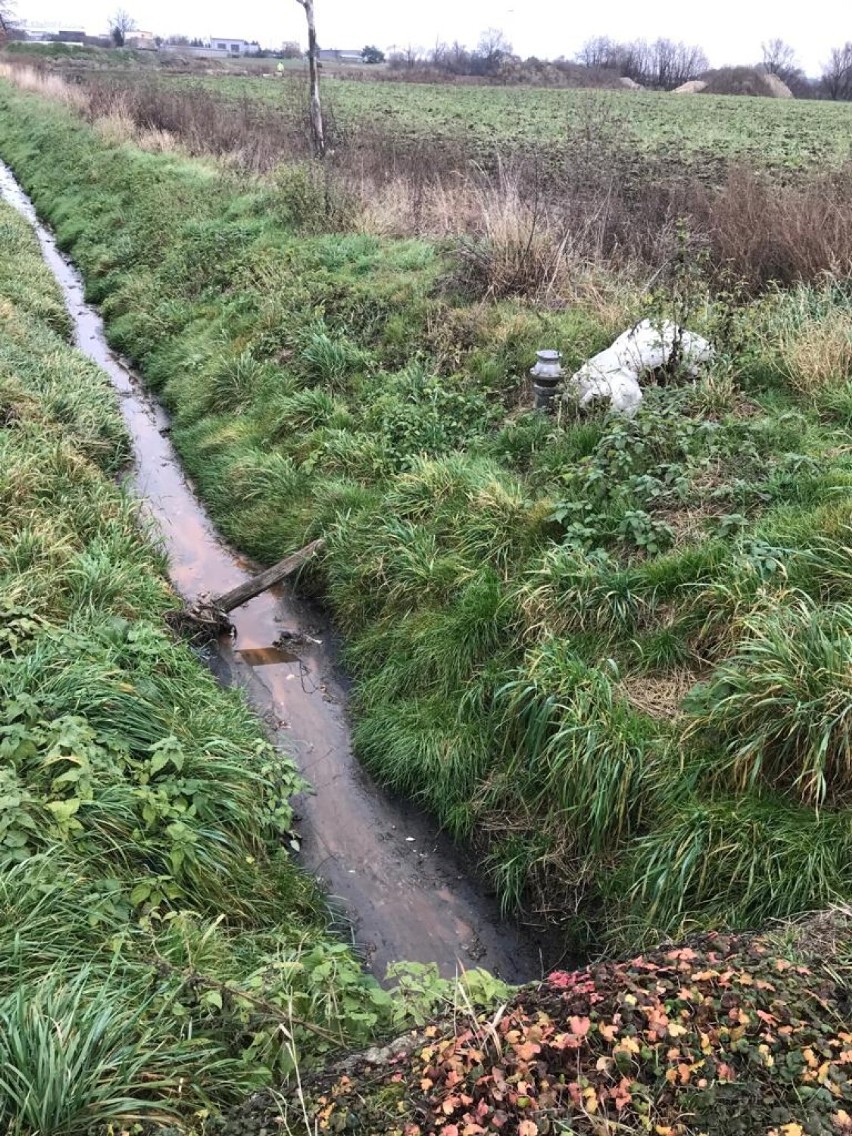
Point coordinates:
pixel 207 618
pixel 267 579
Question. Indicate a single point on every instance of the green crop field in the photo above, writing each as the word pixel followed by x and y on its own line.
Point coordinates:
pixel 781 134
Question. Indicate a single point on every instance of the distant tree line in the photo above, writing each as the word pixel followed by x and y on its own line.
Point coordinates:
pixel 664 65
pixel 485 60
pixel 661 64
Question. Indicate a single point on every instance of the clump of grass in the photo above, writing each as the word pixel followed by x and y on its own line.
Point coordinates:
pixel 233 380
pixel 781 705
pixel 328 361
pixel 735 862
pixel 808 333
pixel 515 250
pixel 430 748
pixel 84 1052
pixel 571 590
pixel 819 356
pixel 307 410
pixel 573 745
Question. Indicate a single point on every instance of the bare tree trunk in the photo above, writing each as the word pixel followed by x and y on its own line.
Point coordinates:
pixel 313 68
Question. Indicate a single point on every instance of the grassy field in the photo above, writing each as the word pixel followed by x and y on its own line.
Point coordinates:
pixel 613 653
pixel 666 133
pixel 784 135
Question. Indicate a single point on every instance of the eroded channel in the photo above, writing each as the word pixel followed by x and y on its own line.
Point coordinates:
pixel 406 890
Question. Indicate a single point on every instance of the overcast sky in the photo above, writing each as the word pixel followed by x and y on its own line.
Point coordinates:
pixel 729 30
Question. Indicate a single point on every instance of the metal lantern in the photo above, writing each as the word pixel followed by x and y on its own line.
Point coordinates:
pixel 546 376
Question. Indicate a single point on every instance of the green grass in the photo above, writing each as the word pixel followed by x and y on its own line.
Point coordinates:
pixel 144 882
pixel 525 601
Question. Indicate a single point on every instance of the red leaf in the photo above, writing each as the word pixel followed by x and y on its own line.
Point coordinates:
pixel 579 1026
pixel 561 979
pixel 621 1094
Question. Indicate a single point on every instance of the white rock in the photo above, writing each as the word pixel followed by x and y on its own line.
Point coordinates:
pixel 693 87
pixel 614 373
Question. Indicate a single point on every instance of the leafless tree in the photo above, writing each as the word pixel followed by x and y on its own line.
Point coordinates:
pixel 7 20
pixel 406 58
pixel 598 52
pixel 837 74
pixel 313 71
pixel 492 49
pixel 836 78
pixel 120 23
pixel 779 58
pixel 439 55
pixel 671 64
pixel 458 58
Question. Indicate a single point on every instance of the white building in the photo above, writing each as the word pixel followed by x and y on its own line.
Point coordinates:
pixel 234 46
pixel 340 55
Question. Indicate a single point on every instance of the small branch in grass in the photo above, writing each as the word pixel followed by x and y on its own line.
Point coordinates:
pixel 191 978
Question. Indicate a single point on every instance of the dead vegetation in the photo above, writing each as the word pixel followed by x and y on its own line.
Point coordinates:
pixel 660 695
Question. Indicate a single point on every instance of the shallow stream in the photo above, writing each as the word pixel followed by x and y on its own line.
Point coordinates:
pixel 405 889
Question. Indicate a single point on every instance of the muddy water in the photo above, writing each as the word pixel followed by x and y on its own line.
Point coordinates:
pixel 405 889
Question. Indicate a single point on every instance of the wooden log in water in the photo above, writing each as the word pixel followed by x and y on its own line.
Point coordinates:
pixel 267 579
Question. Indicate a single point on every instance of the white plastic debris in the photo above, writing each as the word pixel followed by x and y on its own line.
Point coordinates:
pixel 614 374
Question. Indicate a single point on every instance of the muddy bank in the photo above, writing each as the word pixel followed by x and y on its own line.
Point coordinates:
pixel 406 890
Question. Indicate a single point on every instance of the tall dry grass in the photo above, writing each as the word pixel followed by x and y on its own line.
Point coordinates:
pixel 43 83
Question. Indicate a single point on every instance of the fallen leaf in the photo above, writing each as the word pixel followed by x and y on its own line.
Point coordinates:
pixel 526 1050
pixel 621 1094
pixel 590 1099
